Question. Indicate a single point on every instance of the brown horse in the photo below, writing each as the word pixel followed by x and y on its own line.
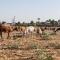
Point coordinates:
pixel 5 28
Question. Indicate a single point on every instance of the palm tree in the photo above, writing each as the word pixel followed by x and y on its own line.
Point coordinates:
pixel 38 22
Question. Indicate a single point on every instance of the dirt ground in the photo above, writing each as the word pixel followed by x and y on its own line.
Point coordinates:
pixel 26 48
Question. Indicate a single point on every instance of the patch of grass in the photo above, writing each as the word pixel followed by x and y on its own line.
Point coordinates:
pixel 51 44
pixel 45 36
pixel 55 45
pixel 54 33
pixel 41 55
pixel 33 46
pixel 13 46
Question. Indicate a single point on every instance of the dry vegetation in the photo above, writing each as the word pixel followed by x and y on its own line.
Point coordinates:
pixel 31 47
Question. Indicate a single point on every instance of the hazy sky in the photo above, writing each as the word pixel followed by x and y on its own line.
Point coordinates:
pixel 26 10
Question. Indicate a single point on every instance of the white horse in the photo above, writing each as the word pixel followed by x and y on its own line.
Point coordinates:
pixel 29 30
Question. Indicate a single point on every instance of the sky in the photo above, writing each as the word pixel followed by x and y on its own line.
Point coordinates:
pixel 27 10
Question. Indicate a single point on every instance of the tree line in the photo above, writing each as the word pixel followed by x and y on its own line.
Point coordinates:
pixel 48 23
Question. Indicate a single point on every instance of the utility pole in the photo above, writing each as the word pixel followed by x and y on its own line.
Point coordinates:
pixel 13 21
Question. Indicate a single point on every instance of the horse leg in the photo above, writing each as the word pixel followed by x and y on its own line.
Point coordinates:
pixel 8 35
pixel 1 34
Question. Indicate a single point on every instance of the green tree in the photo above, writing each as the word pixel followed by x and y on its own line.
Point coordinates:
pixel 18 23
pixel 54 23
pixel 3 22
pixel 32 23
pixel 38 22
